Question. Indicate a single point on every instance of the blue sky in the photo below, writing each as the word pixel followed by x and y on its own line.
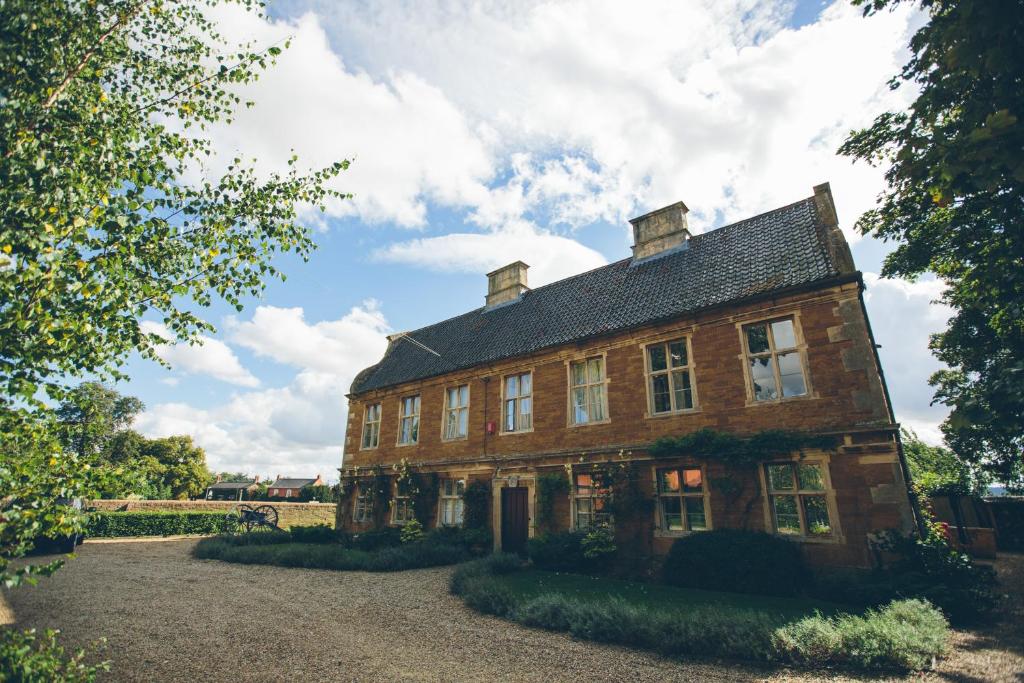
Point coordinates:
pixel 483 133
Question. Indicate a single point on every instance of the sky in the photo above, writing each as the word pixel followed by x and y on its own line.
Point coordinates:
pixel 485 132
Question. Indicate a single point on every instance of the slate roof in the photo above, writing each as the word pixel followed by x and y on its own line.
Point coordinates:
pixel 228 485
pixel 776 250
pixel 292 483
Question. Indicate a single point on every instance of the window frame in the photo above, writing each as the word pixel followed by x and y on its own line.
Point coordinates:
pixel 363 497
pixel 660 529
pixel 418 402
pixel 460 505
pixel 401 501
pixel 800 349
pixel 603 383
pixel 690 367
pixel 380 415
pixel 532 396
pixel 573 507
pixel 445 410
pixel 828 493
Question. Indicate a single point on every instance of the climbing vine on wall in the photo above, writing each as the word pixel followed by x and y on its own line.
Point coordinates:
pixel 477 504
pixel 549 487
pixel 739 450
pixel 420 487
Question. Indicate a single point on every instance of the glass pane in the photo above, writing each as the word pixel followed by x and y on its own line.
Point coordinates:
pixel 448 486
pixel 525 416
pixel 695 517
pixel 677 350
pixel 693 481
pixel 810 478
pixel 787 519
pixel 525 384
pixel 415 429
pixel 464 395
pixel 584 482
pixel 458 511
pixel 780 477
pixel 816 514
pixel 681 388
pixel 656 357
pixel 579 406
pixel 659 392
pixel 579 374
pixel 416 405
pixel 583 506
pixel 453 396
pixel 582 520
pixel 596 402
pixel 451 425
pixel 595 370
pixel 785 335
pixel 447 513
pixel 763 376
pixel 510 415
pixel 668 480
pixel 757 338
pixel 792 374
pixel 460 487
pixel 464 422
pixel 671 513
pixel 511 387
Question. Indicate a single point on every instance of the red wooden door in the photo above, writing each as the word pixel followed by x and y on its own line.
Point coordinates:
pixel 515 520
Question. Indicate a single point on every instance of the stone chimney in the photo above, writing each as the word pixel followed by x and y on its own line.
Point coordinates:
pixel 660 230
pixel 506 283
pixel 832 235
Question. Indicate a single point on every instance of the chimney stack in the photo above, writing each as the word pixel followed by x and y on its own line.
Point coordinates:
pixel 660 230
pixel 506 283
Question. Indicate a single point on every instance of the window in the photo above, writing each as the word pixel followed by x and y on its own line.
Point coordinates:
pixel 590 501
pixel 371 426
pixel 361 513
pixel 681 499
pixel 451 501
pixel 670 377
pixel 518 402
pixel 456 412
pixel 773 360
pixel 798 498
pixel 586 394
pixel 401 512
pixel 409 422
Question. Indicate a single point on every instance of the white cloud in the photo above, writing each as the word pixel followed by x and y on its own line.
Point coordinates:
pixel 297 429
pixel 208 356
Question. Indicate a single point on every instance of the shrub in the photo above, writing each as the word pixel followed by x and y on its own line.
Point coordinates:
pixel 415 555
pixel 387 537
pixel 549 611
pixel 478 541
pixel 317 533
pixel 477 504
pixel 493 565
pixel 412 531
pixel 486 594
pixel 598 544
pixel 123 524
pixel 737 561
pixel 31 657
pixel 559 552
pixel 613 621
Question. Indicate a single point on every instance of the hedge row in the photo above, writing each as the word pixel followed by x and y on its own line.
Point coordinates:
pixel 905 635
pixel 123 524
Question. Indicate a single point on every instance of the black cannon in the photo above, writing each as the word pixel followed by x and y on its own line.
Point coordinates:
pixel 248 518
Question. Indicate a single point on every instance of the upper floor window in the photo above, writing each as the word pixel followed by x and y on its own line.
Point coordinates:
pixel 590 501
pixel 681 502
pixel 451 501
pixel 409 420
pixel 670 377
pixel 774 360
pixel 371 426
pixel 518 402
pixel 798 498
pixel 456 412
pixel 587 395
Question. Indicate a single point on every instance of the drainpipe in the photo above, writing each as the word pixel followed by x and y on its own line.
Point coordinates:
pixel 487 382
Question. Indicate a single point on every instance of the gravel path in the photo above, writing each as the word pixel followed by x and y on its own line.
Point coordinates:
pixel 168 617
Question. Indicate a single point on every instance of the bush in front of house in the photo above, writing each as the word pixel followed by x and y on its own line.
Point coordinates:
pixel 33 656
pixel 559 551
pixel 737 561
pixel 126 524
pixel 314 533
pixel 477 541
pixel 375 539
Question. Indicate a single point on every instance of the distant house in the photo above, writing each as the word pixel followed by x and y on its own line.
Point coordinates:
pixel 231 490
pixel 291 488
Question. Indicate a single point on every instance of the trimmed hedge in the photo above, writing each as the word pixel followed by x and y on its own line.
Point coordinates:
pixel 125 524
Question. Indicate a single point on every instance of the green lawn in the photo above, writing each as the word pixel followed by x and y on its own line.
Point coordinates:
pixel 530 583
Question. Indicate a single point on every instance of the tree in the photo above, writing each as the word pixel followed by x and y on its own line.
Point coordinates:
pixel 954 205
pixel 93 415
pixel 937 471
pixel 233 477
pixel 185 472
pixel 112 208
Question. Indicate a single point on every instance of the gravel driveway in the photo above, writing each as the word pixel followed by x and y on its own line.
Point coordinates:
pixel 168 617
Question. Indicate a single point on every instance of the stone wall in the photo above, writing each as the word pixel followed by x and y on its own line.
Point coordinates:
pixel 291 514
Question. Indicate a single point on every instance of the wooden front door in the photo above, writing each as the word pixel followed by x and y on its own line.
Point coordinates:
pixel 515 520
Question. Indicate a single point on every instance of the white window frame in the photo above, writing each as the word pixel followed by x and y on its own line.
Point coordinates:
pixel 372 425
pixel 589 383
pixel 773 353
pixel 704 495
pixel 450 496
pixel 828 493
pixel 458 411
pixel 361 508
pixel 518 428
pixel 414 417
pixel 592 497
pixel 669 371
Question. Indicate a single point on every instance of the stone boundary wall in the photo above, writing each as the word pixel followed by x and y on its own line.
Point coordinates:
pixel 291 514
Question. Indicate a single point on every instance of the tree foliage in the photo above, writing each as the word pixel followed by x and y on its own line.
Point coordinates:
pixel 954 206
pixel 937 471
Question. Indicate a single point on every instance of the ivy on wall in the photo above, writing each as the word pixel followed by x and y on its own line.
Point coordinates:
pixel 420 487
pixel 477 504
pixel 739 450
pixel 549 487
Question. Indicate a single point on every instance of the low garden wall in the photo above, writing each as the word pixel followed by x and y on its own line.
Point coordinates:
pixel 290 514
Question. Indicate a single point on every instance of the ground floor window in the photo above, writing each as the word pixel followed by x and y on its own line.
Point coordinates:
pixel 361 511
pixel 590 501
pixel 401 512
pixel 798 498
pixel 681 502
pixel 451 501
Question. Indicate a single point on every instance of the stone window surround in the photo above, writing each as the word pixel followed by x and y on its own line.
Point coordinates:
pixel 366 423
pixel 583 357
pixel 686 333
pixel 367 515
pixel 801 348
pixel 395 521
pixel 449 476
pixel 823 459
pixel 444 410
pixel 659 527
pixel 501 401
pixel 572 501
pixel 415 416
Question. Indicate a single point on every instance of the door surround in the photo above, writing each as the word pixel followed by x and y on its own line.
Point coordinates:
pixel 497 484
